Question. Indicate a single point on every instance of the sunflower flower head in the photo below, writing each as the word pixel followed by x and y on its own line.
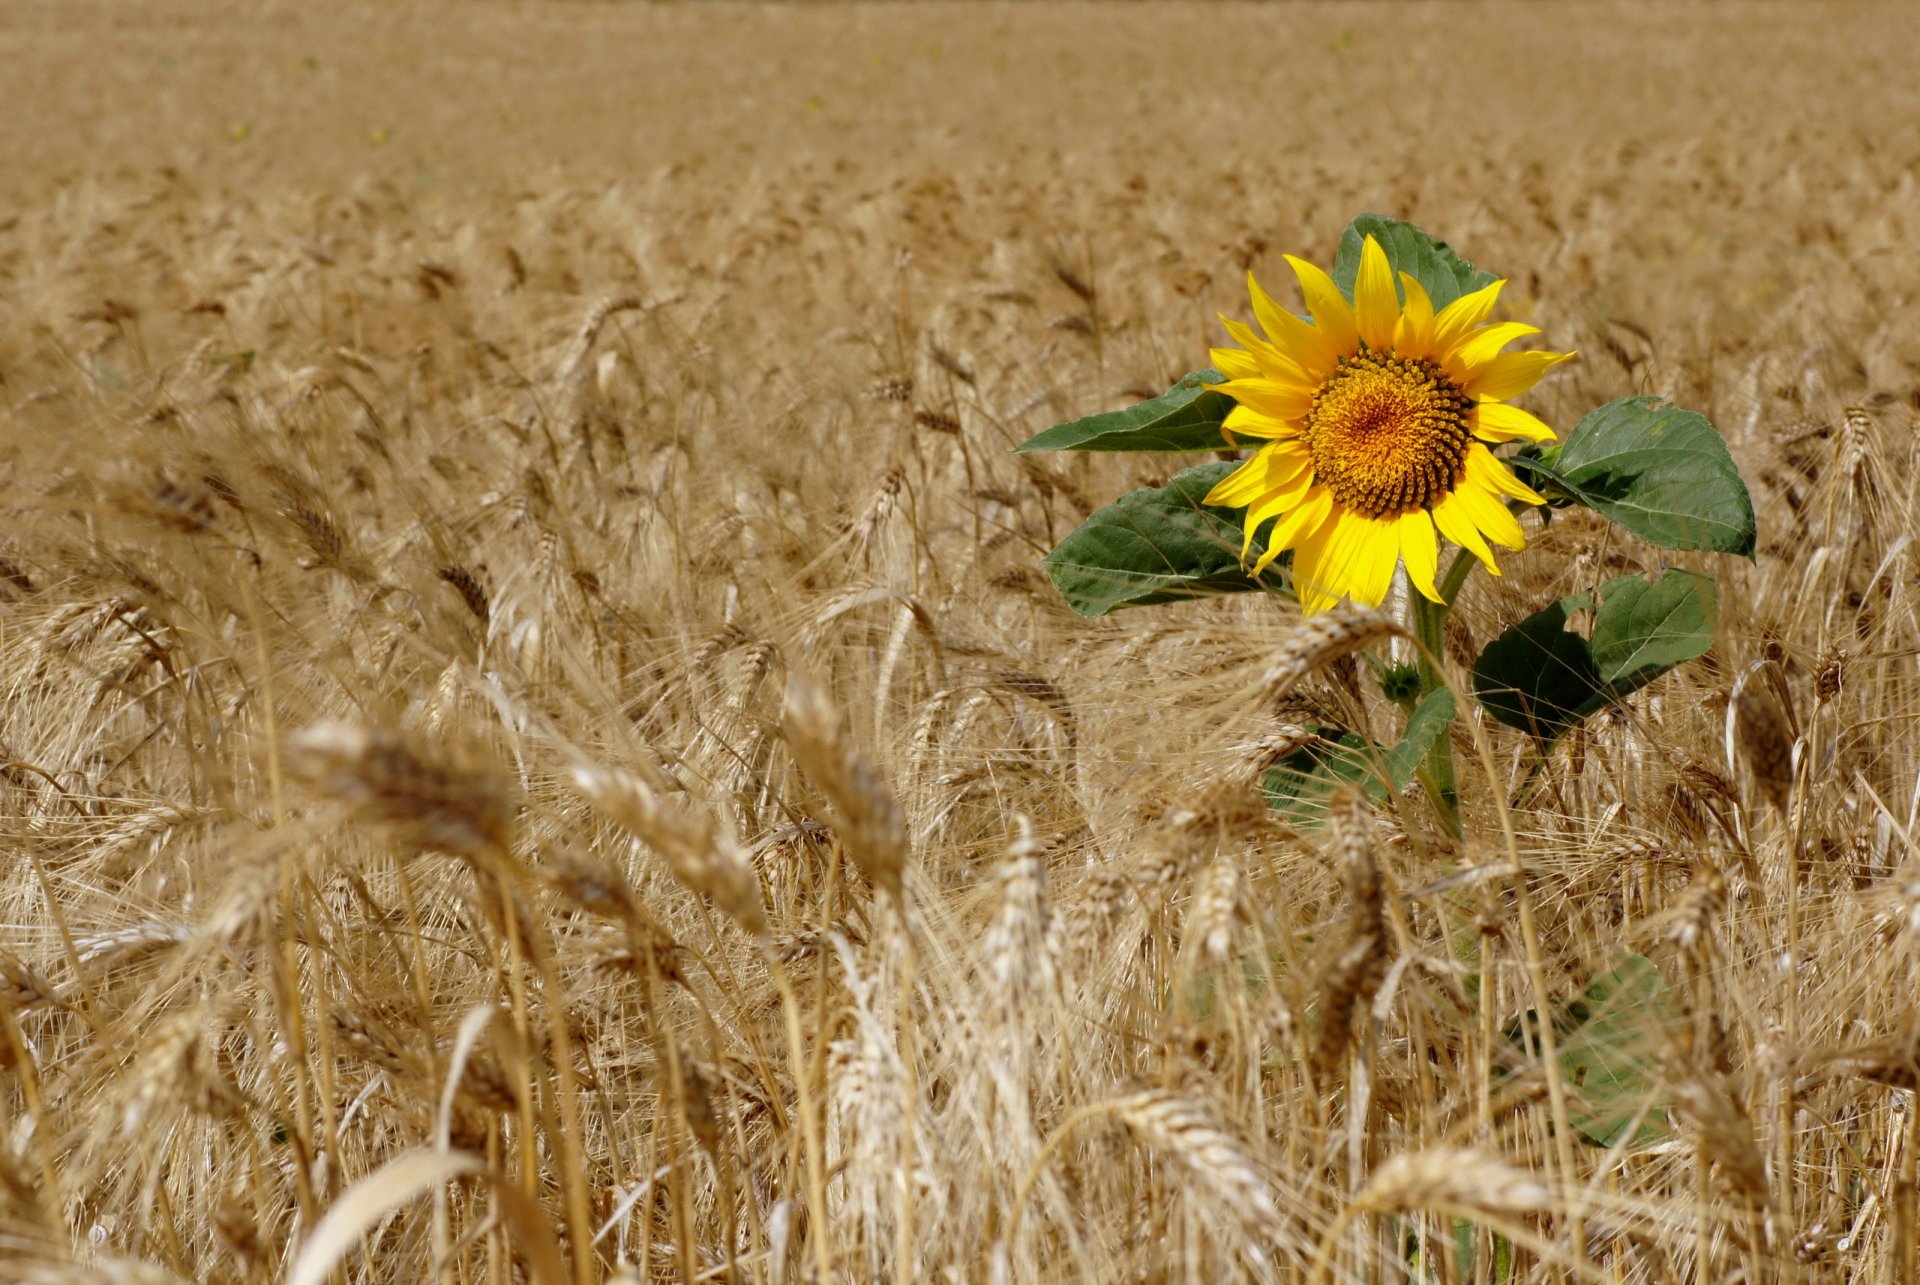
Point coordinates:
pixel 1376 416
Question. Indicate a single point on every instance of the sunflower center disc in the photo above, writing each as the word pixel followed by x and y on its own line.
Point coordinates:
pixel 1388 434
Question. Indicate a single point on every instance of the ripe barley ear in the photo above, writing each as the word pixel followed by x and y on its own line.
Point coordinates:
pixel 869 819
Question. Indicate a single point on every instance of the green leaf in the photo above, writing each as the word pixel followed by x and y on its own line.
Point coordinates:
pixel 1643 629
pixel 1160 544
pixel 1542 678
pixel 1463 1245
pixel 1609 1039
pixel 1663 473
pixel 1184 418
pixel 1425 726
pixel 1299 785
pixel 1538 676
pixel 1433 263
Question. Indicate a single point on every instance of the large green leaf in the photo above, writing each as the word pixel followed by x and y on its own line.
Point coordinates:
pixel 1538 676
pixel 1299 785
pixel 1184 418
pixel 1643 629
pixel 1433 263
pixel 1542 678
pixel 1609 1039
pixel 1160 544
pixel 1663 473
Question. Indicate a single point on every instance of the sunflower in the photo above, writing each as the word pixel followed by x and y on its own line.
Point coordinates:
pixel 1377 416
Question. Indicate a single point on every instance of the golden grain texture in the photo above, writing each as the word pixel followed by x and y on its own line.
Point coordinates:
pixel 535 740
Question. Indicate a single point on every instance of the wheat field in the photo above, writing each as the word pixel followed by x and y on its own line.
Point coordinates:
pixel 537 745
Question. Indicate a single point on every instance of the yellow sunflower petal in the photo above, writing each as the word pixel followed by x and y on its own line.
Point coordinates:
pixel 1233 363
pixel 1494 475
pixel 1413 333
pixel 1483 345
pixel 1292 338
pixel 1332 314
pixel 1455 522
pixel 1273 363
pixel 1511 374
pixel 1245 421
pixel 1376 306
pixel 1274 466
pixel 1420 551
pixel 1462 315
pixel 1285 500
pixel 1308 583
pixel 1268 396
pixel 1379 556
pixel 1499 422
pixel 1315 507
pixel 1488 515
pixel 1356 559
pixel 1239 487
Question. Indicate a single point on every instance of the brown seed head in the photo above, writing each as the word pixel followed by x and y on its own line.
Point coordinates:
pixel 1453 1178
pixel 1707 1102
pixel 696 850
pixel 1762 732
pixel 1215 902
pixel 1017 951
pixel 697 1101
pixel 381 775
pixel 21 988
pixel 1322 640
pixel 1830 676
pixel 1217 1162
pixel 869 820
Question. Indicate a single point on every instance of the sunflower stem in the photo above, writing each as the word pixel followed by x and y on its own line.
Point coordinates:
pixel 1429 631
pixel 1457 572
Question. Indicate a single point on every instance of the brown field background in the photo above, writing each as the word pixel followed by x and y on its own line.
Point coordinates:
pixel 534 730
